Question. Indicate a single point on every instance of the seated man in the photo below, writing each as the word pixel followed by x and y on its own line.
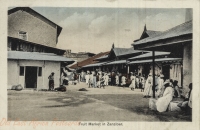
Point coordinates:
pixel 186 105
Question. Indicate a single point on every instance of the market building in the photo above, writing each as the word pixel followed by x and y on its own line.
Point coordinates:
pixel 92 60
pixel 177 41
pixel 32 52
pixel 116 60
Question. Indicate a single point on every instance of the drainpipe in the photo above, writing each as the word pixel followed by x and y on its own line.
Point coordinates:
pixel 153 87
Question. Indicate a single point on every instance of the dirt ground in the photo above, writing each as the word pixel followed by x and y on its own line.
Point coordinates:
pixel 109 104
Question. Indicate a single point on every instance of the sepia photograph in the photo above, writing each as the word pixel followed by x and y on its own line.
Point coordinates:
pixel 99 64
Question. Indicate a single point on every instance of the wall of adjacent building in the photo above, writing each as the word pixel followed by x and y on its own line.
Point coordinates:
pixel 187 66
pixel 51 66
pixel 12 73
pixel 38 31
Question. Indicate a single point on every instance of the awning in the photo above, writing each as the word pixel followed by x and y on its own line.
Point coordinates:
pixel 116 62
pixel 157 60
pixel 149 54
pixel 20 55
pixel 94 65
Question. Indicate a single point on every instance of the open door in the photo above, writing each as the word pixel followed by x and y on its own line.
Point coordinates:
pixel 166 71
pixel 31 77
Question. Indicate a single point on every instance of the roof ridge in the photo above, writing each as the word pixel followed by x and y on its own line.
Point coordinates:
pixel 164 32
pixel 177 26
pixel 154 31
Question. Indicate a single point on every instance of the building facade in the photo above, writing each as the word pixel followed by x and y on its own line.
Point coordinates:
pixel 32 52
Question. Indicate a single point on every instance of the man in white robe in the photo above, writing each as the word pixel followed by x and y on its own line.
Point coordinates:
pixel 148 87
pixel 87 78
pixel 91 79
pixel 123 81
pixel 160 85
pixel 132 85
pixel 106 78
pixel 117 79
pixel 163 102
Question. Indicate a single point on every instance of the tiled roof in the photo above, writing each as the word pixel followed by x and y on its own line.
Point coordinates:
pixel 102 57
pixel 124 51
pixel 88 61
pixel 95 64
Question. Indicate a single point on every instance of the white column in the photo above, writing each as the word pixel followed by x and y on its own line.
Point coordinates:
pixel 127 69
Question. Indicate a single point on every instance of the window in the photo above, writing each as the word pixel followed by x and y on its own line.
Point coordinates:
pixel 13 46
pixel 40 71
pixel 23 35
pixel 21 71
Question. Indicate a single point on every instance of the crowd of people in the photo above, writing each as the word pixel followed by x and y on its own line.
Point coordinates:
pixel 101 79
pixel 165 89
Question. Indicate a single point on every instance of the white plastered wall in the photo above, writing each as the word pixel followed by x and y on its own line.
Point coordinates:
pixel 42 81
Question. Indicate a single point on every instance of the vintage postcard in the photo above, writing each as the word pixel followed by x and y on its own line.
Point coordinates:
pixel 100 65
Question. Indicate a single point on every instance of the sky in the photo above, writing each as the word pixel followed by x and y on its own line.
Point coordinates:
pixel 96 29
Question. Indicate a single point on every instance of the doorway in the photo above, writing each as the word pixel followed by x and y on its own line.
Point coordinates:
pixel 31 77
pixel 166 71
pixel 146 70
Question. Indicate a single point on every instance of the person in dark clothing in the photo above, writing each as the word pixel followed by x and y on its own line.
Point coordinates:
pixel 186 105
pixel 51 81
pixel 176 89
pixel 112 79
pixel 120 79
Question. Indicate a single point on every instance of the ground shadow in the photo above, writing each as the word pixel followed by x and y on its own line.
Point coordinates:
pixel 70 101
pixel 136 103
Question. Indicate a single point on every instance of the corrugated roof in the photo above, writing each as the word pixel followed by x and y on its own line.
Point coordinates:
pixel 116 62
pixel 156 60
pixel 152 33
pixel 182 29
pixel 124 51
pixel 89 60
pixel 19 55
pixel 149 54
pixel 93 65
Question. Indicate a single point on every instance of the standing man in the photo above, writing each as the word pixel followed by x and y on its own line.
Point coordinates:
pixel 82 76
pixel 51 81
pixel 94 80
pixel 87 77
pixel 106 79
pixel 156 82
pixel 132 78
pixel 123 81
pixel 91 79
pixel 117 79
pixel 148 87
pixel 112 78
